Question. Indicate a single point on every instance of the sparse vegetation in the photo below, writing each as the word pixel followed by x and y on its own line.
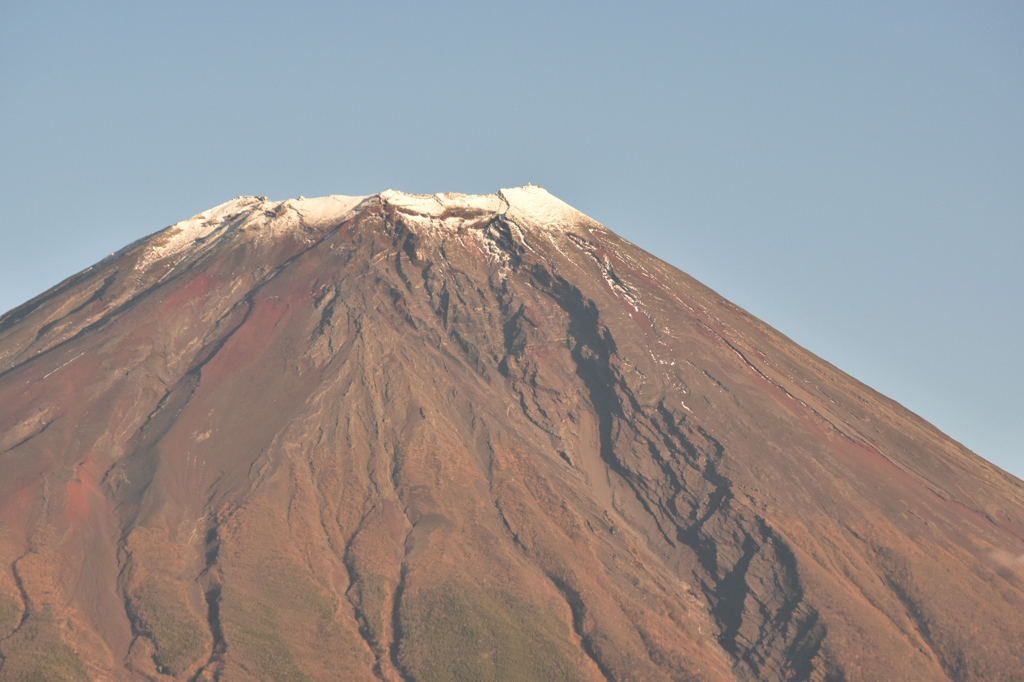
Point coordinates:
pixel 454 634
pixel 283 583
pixel 372 592
pixel 38 653
pixel 10 612
pixel 254 628
pixel 176 632
pixel 285 595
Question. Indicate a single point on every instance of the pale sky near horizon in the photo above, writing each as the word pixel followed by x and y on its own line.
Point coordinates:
pixel 851 173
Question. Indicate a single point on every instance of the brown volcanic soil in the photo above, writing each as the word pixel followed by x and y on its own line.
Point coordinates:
pixel 468 438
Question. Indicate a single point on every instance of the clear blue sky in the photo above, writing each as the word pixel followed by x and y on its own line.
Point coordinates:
pixel 850 172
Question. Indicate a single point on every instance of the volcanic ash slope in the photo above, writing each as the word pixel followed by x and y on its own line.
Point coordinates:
pixel 461 437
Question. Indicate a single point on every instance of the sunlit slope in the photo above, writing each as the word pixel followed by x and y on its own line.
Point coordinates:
pixel 460 437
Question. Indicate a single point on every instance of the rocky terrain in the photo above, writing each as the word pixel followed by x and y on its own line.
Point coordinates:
pixel 450 437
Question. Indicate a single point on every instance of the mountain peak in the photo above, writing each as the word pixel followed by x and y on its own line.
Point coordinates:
pixel 529 204
pixel 441 437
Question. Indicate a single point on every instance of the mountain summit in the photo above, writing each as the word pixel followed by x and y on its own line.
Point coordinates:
pixel 449 437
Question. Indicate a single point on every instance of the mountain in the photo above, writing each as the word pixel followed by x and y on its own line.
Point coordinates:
pixel 455 437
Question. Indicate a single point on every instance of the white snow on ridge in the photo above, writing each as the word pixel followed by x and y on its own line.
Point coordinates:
pixel 435 205
pixel 537 205
pixel 323 211
pixel 180 235
pixel 529 205
pixel 288 214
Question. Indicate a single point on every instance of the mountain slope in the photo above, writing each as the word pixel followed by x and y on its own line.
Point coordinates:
pixel 453 437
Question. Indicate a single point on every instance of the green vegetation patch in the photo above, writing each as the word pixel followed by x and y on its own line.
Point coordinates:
pixel 281 623
pixel 38 653
pixel 290 586
pixel 254 629
pixel 457 632
pixel 271 615
pixel 10 612
pixel 177 633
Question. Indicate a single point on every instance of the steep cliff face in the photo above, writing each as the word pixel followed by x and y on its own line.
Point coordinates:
pixel 468 438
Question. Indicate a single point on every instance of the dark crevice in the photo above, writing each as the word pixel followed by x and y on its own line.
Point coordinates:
pixel 786 639
pixel 96 295
pixel 514 332
pixel 97 324
pixel 717 382
pixel 404 242
pixel 212 594
pixel 12 317
pixel 137 298
pixel 443 303
pixel 499 233
pixel 30 437
pixel 131 477
pixel 471 354
pixel 592 348
pixel 787 625
pixel 25 610
pixel 591 351
pixel 401 271
pixel 23 594
pixel 213 597
pixel 138 627
pixel 953 671
pixel 402 307
pixel 579 612
pixel 354 597
pixel 397 634
pixel 571 596
pixel 731 594
pixel 807 641
pixel 327 314
pixel 409 246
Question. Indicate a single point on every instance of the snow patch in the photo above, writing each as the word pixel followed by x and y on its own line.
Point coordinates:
pixel 181 235
pixel 443 205
pixel 266 217
pixel 529 205
pixel 536 205
pixel 325 211
pixel 291 214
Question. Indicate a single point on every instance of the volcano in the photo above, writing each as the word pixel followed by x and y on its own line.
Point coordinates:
pixel 450 437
